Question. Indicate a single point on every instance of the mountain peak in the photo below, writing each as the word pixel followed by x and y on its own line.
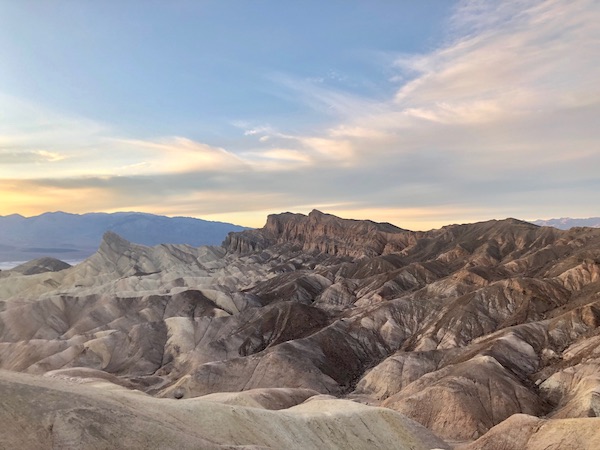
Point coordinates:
pixel 111 236
pixel 41 265
pixel 13 216
pixel 112 243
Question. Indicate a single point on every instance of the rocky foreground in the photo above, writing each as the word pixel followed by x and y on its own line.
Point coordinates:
pixel 312 332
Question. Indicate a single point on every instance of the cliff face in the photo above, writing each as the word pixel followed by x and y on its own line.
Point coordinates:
pixel 322 233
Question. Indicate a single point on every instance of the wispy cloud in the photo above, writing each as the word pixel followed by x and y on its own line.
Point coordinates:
pixel 262 130
pixel 14 156
pixel 499 120
pixel 179 154
pixel 516 58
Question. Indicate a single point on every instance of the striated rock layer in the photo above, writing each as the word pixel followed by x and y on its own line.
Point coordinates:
pixel 462 329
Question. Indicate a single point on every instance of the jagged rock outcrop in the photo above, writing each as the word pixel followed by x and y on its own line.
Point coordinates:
pixel 322 233
pixel 461 329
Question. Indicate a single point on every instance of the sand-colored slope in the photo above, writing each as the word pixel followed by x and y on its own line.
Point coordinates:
pixel 43 413
pixel 521 432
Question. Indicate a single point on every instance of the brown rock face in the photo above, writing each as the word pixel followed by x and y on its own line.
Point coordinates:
pixel 321 233
pixel 523 431
pixel 462 329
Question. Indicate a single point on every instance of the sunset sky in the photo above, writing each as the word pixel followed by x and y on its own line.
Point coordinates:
pixel 416 113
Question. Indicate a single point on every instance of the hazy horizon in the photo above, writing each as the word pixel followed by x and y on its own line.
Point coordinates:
pixel 531 220
pixel 417 114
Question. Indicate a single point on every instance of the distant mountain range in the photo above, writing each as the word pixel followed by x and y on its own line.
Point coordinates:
pixel 74 237
pixel 564 223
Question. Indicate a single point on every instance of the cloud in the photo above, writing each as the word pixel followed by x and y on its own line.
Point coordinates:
pixel 258 131
pixel 500 120
pixel 14 156
pixel 25 124
pixel 284 155
pixel 31 197
pixel 521 59
pixel 179 154
pixel 330 101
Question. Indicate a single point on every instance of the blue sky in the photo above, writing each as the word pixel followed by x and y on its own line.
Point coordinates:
pixel 417 113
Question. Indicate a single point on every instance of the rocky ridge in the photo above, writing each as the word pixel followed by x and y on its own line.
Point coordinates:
pixel 461 329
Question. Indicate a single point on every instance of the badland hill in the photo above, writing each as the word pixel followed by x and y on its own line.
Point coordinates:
pixel 311 332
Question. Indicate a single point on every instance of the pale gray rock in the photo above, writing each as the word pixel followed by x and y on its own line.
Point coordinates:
pixel 44 413
pixel 396 372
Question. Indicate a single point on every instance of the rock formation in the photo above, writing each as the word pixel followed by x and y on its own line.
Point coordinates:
pixel 465 330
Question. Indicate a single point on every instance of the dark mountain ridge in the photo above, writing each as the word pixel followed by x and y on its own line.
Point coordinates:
pixel 77 236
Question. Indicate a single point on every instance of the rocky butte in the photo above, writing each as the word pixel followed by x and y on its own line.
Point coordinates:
pixel 312 332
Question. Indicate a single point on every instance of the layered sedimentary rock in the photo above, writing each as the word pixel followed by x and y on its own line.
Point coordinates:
pixel 461 329
pixel 322 233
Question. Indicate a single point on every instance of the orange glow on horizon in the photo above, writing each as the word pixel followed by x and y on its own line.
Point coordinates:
pixel 29 199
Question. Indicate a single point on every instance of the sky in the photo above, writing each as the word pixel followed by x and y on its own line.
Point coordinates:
pixel 421 114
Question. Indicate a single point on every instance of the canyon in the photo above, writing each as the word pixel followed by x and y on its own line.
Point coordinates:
pixel 311 332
